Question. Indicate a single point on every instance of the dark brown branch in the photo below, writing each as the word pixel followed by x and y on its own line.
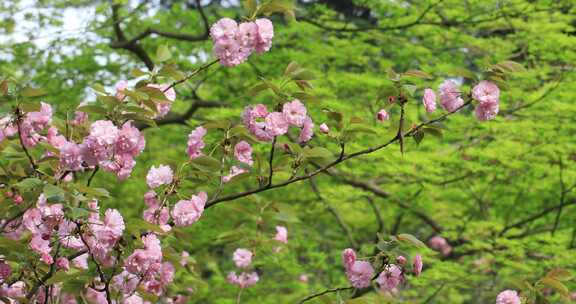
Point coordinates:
pixel 312 296
pixel 123 43
pixel 536 216
pixel 562 193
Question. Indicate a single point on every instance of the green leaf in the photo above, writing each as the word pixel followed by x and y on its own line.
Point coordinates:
pixel 556 285
pixel 92 109
pixel 257 88
pixel 418 136
pixel 98 88
pixel 249 6
pixel 31 106
pixel 171 71
pixel 404 237
pixel 433 131
pixel 163 53
pixel 137 72
pixel 292 66
pixel 206 163
pixel 33 92
pixel 317 153
pixel 417 74
pixel 53 193
pixel 28 184
pixel 464 73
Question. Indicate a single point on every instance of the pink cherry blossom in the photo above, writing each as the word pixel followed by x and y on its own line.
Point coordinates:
pixel 487 110
pixel 265 35
pixel 157 177
pixel 242 257
pixel 401 260
pixel 276 124
pixel 133 299
pixel 417 265
pixel 307 130
pixel 429 100
pixel 486 91
pixel 229 52
pixel 196 142
pixel 508 297
pixel 104 132
pixel 450 96
pixel 225 28
pixel 80 118
pixel 246 35
pixel 243 152
pixel 130 141
pixel 16 290
pixel 281 234
pixel 244 280
pixel 390 278
pixel 253 118
pixel 5 271
pixel 63 263
pixel 188 212
pixel 324 128
pixel 360 274
pixel 382 115
pixel 71 156
pixel 304 278
pixel 440 244
pixel 294 112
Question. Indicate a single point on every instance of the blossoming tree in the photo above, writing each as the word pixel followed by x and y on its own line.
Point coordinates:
pixel 63 241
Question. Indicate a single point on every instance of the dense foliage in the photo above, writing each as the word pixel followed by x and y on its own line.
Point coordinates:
pixel 480 203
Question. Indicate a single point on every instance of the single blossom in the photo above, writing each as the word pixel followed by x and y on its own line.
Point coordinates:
pixel 508 297
pixel 265 35
pixel 348 257
pixel 390 278
pixel 188 212
pixel 304 278
pixel 382 115
pixel 196 142
pixel 234 171
pixel 440 244
pixel 276 124
pixel 157 177
pixel 429 100
pixel 486 91
pixel 281 234
pixel 417 265
pixel 253 118
pixel 401 260
pixel 486 110
pixel 120 87
pixel 63 263
pixel 294 112
pixel 104 132
pixel 5 271
pixel 450 98
pixel 242 257
pixel 307 130
pixel 243 153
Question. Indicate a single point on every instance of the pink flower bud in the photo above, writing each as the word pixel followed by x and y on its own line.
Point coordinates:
pixel 382 115
pixel 417 265
pixel 324 128
pixel 18 199
pixel 9 194
pixel 401 260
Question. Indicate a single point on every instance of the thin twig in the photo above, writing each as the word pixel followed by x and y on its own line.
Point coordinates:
pixel 312 296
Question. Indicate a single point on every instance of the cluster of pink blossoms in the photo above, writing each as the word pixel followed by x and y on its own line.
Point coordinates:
pixel 233 42
pixel 242 259
pixel 485 92
pixel 265 126
pixel 184 212
pixel 31 126
pixel 360 273
pixel 196 142
pixel 145 268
